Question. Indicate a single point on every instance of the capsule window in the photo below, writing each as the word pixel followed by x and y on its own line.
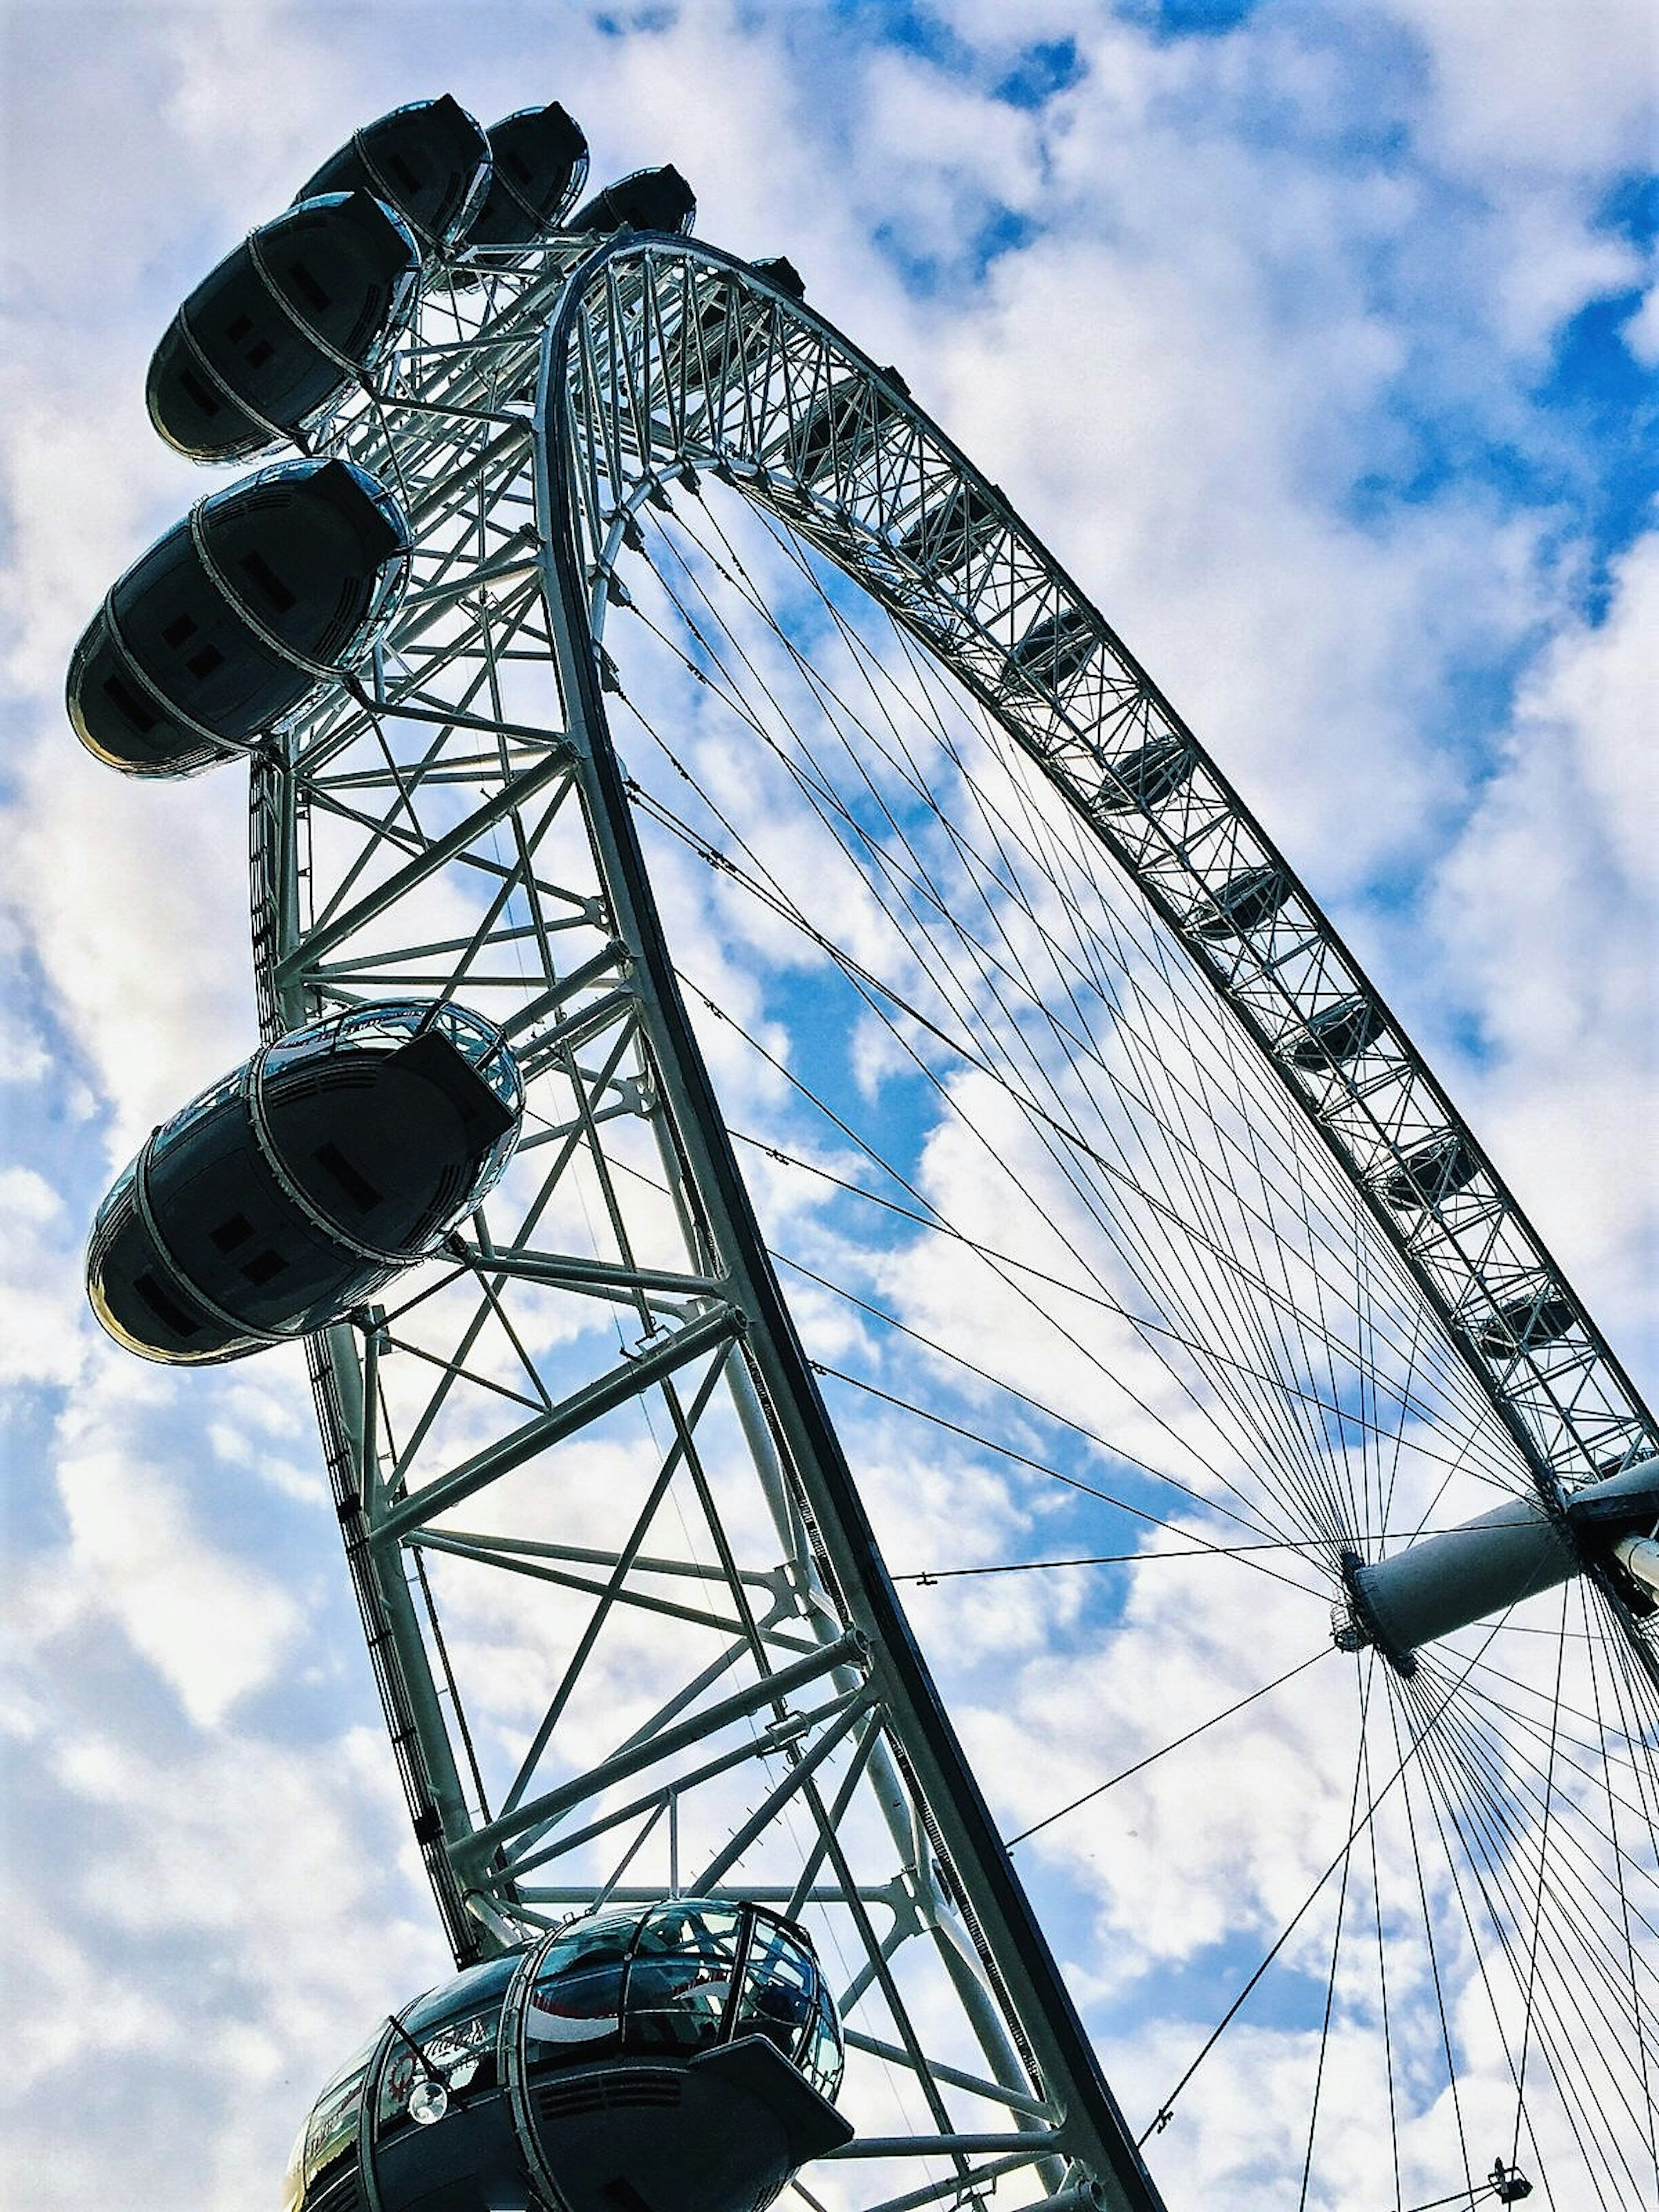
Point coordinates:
pixel 779 1991
pixel 680 1982
pixel 260 351
pixel 208 402
pixel 1337 1034
pixel 823 2063
pixel 127 704
pixel 264 1266
pixel 264 577
pixel 229 1234
pixel 166 1310
pixel 331 2137
pixel 356 1185
pixel 307 285
pixel 577 2000
pixel 202 665
pixel 179 629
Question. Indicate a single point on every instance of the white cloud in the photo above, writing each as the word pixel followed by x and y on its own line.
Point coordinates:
pixel 1264 270
pixel 236 1883
pixel 1525 84
pixel 210 1626
pixel 23 1055
pixel 1642 330
pixel 1548 906
pixel 40 1311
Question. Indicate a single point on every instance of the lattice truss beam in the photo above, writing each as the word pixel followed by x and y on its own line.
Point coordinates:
pixel 757 388
pixel 626 1627
pixel 618 1652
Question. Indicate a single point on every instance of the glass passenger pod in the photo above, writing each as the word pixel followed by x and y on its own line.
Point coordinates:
pixel 713 342
pixel 428 161
pixel 1245 902
pixel 1433 1172
pixel 304 1181
pixel 266 592
pixel 840 428
pixel 1526 1324
pixel 647 199
pixel 676 2057
pixel 947 535
pixel 267 343
pixel 1145 777
pixel 1334 1035
pixel 782 275
pixel 540 164
pixel 1053 651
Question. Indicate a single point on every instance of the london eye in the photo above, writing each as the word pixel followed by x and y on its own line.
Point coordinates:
pixel 771 1022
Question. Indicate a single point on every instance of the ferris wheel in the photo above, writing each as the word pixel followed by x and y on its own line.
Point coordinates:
pixel 773 1028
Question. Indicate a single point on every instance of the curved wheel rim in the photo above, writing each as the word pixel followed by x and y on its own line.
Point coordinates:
pixel 624 435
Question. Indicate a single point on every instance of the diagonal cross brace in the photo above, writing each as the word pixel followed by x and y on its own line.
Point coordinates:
pixel 630 1379
pixel 516 793
pixel 771 1689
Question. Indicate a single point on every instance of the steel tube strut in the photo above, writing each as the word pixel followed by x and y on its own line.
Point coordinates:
pixel 1093 2132
pixel 1444 1583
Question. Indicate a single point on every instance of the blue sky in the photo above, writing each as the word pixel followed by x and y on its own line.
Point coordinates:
pixel 1317 339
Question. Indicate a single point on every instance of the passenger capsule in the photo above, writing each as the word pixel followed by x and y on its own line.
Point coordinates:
pixel 1526 1325
pixel 1147 776
pixel 1054 649
pixel 280 327
pixel 781 273
pixel 648 199
pixel 947 536
pixel 302 1184
pixel 712 342
pixel 714 337
pixel 266 592
pixel 1436 1170
pixel 538 164
pixel 840 428
pixel 427 160
pixel 1243 903
pixel 1335 1035
pixel 677 2057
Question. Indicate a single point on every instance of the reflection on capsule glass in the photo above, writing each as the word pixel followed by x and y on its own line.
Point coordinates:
pixel 678 2057
pixel 649 199
pixel 304 1181
pixel 428 160
pixel 264 594
pixel 274 334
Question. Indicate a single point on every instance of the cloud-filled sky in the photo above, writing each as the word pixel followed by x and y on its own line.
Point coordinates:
pixel 1318 341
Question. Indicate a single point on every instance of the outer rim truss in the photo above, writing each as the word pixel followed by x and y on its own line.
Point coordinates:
pixel 658 359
